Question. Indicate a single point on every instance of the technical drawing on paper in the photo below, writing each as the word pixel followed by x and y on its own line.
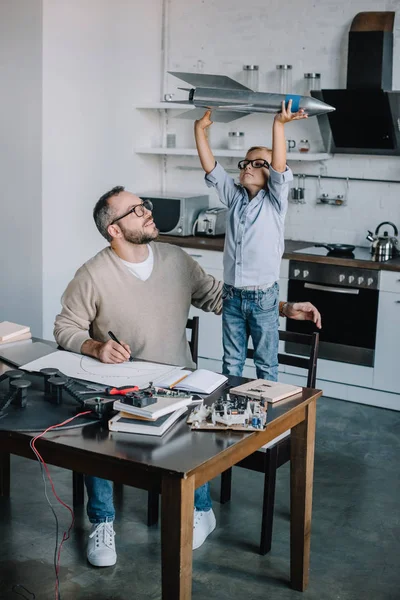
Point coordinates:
pixel 138 373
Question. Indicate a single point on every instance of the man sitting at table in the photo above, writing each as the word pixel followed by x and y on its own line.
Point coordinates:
pixel 142 291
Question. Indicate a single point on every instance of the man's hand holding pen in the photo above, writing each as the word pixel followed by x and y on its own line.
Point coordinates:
pixel 114 352
pixel 110 352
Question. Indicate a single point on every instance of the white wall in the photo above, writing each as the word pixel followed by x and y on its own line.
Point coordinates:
pixel 98 58
pixel 312 37
pixel 20 162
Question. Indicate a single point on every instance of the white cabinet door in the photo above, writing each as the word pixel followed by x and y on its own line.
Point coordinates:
pixel 208 259
pixel 387 355
pixel 389 281
pixel 210 327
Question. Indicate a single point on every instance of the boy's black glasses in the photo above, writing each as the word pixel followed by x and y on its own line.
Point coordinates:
pixel 258 163
pixel 138 209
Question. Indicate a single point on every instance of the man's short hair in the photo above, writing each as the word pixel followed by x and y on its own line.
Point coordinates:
pixel 103 213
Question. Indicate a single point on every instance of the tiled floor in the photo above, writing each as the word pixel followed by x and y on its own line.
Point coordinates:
pixel 355 542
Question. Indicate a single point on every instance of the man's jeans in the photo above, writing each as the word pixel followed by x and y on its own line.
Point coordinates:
pixel 255 313
pixel 100 506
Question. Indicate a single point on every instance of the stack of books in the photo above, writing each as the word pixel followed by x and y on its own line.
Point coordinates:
pixel 12 334
pixel 154 419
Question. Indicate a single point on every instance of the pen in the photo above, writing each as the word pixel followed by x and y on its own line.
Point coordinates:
pixel 176 382
pixel 113 337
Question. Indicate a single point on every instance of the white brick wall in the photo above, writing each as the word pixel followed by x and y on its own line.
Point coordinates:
pixel 226 34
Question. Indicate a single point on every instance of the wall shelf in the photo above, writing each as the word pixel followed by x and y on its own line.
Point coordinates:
pixel 292 156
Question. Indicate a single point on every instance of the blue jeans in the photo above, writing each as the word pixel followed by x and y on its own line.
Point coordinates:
pixel 100 506
pixel 252 313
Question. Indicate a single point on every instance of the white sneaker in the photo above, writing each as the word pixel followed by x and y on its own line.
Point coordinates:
pixel 203 524
pixel 101 545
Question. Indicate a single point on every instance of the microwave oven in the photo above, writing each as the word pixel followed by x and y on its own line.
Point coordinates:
pixel 175 214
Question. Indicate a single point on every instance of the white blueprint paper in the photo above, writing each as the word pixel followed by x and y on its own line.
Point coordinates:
pixel 138 373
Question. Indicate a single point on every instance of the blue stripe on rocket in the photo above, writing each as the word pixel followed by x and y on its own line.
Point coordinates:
pixel 295 101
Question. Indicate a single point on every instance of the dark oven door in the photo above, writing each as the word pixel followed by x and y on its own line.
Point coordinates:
pixel 349 317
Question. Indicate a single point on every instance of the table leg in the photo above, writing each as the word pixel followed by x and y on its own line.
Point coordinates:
pixel 78 489
pixel 177 502
pixel 5 472
pixel 301 485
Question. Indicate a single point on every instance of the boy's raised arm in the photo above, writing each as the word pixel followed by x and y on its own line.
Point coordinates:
pixel 278 161
pixel 203 148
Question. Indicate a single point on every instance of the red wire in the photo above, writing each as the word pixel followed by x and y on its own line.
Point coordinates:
pixel 67 533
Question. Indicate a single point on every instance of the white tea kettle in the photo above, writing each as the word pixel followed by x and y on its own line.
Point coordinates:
pixel 383 246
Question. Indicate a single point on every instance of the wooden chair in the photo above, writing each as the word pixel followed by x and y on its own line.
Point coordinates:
pixel 268 459
pixel 78 487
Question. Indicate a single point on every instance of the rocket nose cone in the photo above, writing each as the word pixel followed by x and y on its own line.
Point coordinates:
pixel 313 106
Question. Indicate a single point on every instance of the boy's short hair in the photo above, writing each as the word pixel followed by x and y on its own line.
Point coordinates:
pixel 103 214
pixel 259 148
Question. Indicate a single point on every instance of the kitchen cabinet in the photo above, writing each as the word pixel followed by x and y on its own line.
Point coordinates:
pixel 386 367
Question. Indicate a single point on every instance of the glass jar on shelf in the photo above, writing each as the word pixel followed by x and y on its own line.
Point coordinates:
pixel 236 140
pixel 250 77
pixel 284 78
pixel 312 82
pixel 303 146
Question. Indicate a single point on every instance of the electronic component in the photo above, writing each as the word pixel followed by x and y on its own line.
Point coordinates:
pixel 230 412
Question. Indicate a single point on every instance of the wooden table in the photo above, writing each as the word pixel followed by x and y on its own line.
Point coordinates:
pixel 176 464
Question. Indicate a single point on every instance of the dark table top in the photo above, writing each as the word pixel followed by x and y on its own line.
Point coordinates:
pixel 180 450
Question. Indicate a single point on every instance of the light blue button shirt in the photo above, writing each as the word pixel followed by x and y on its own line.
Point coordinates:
pixel 254 239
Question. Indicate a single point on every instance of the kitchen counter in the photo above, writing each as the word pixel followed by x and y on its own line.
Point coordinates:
pixel 217 243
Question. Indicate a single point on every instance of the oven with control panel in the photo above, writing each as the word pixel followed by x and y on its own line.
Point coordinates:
pixel 347 298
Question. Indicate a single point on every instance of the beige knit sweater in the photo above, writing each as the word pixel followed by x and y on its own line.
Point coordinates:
pixel 148 315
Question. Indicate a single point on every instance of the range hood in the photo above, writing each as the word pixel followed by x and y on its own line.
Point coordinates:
pixel 367 116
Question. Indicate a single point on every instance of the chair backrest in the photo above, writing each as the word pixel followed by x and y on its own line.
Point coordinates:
pixel 193 325
pixel 309 363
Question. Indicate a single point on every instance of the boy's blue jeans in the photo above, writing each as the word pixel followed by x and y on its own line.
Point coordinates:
pixel 255 313
pixel 100 506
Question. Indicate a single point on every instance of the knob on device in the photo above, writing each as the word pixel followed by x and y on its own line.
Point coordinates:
pixel 56 387
pixel 47 373
pixel 13 375
pixel 20 386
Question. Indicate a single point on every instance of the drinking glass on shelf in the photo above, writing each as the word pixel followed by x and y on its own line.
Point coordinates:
pixel 313 82
pixel 285 78
pixel 171 140
pixel 251 77
pixel 236 140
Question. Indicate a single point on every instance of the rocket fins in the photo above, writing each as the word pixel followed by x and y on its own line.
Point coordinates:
pixel 209 81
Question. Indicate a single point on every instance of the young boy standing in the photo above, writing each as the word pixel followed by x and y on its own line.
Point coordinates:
pixel 254 244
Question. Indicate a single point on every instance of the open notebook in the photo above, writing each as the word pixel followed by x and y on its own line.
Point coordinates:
pixel 200 381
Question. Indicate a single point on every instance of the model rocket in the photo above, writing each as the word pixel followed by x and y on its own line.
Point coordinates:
pixel 230 100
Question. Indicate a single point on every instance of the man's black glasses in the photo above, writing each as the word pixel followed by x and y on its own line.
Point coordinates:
pixel 258 163
pixel 138 209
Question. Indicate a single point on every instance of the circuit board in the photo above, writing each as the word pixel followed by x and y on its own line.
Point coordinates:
pixel 229 412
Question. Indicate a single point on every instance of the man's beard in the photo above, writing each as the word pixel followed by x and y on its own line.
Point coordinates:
pixel 138 237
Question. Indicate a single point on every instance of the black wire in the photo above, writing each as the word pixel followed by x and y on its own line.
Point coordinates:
pixel 7 400
pixel 18 585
